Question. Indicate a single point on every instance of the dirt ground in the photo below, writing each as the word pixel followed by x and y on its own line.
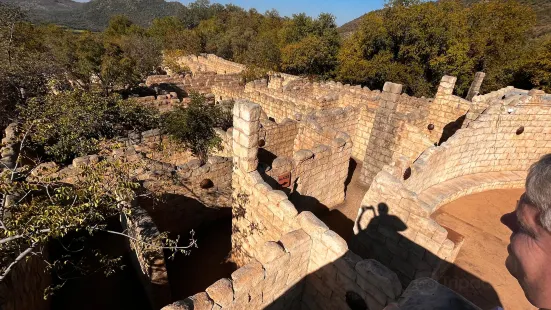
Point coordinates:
pixel 479 273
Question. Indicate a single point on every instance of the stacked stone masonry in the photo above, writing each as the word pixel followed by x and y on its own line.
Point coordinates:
pixel 211 63
pixel 494 151
pixel 308 268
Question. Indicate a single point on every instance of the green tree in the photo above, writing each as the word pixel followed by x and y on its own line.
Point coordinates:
pixel 72 123
pixel 40 206
pixel 416 43
pixel 536 70
pixel 193 126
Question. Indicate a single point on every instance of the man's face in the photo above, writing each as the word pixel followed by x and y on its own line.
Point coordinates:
pixel 529 259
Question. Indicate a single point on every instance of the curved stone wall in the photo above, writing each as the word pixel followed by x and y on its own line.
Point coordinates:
pixel 500 139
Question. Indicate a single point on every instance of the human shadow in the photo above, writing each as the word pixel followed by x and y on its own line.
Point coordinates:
pixel 381 240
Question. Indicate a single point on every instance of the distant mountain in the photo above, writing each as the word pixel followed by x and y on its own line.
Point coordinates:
pixel 95 15
pixel 541 7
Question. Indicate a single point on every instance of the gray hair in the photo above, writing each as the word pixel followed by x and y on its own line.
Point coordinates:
pixel 538 189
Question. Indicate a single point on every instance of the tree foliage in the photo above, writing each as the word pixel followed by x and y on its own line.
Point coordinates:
pixel 193 126
pixel 416 43
pixel 72 123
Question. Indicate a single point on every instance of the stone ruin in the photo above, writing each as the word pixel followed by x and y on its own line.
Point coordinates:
pixel 290 152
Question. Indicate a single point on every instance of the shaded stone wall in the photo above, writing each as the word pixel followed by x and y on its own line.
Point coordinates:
pixel 279 138
pixel 23 288
pixel 395 228
pixel 147 255
pixel 308 268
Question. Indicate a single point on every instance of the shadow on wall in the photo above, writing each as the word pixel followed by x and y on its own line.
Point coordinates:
pixel 411 261
pixel 121 290
pixel 451 128
pixel 335 219
pixel 193 273
pixel 179 214
pixel 352 164
pixel 169 87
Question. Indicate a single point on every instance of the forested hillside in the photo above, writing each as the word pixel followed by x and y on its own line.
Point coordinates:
pixel 541 7
pixel 95 15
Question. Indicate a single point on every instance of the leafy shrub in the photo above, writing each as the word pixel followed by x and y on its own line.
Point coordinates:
pixel 70 124
pixel 194 125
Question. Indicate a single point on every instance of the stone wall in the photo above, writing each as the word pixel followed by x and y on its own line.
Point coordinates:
pixel 147 255
pixel 260 214
pixel 9 148
pixel 499 140
pixel 493 151
pixel 308 268
pixel 278 139
pixel 395 228
pixel 320 165
pixel 360 139
pixel 163 103
pixel 201 82
pixel 24 287
pixel 210 63
pixel 446 111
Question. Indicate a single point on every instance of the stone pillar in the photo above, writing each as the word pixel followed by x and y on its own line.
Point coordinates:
pixel 475 86
pixel 447 84
pixel 246 127
pixel 8 154
pixel 383 135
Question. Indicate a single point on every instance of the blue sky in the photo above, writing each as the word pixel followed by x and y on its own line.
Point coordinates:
pixel 344 10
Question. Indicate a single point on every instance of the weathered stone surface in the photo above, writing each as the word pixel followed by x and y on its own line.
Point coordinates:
pixel 380 276
pixel 269 252
pixel 247 277
pixel 221 292
pixel 311 224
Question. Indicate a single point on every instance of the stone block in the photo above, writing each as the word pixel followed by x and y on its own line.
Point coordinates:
pixel 269 252
pixel 311 224
pixel 380 276
pixel 334 242
pixel 288 208
pixel 247 277
pixel 392 88
pixel 302 155
pixel 295 240
pixel 201 301
pixel 221 292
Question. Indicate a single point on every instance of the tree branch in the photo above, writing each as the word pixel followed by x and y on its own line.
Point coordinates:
pixel 17 259
pixel 192 243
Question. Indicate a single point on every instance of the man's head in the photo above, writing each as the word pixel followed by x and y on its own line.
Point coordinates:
pixel 529 259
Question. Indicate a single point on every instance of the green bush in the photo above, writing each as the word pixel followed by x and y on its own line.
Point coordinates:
pixel 193 126
pixel 72 123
